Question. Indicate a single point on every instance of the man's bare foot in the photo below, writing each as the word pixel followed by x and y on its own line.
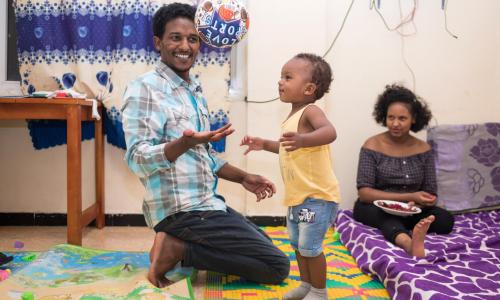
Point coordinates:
pixel 151 251
pixel 158 281
pixel 167 251
pixel 418 236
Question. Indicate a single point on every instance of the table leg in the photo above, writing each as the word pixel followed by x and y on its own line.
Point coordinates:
pixel 74 174
pixel 99 169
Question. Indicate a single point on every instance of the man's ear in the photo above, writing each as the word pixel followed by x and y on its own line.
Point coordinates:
pixel 157 43
pixel 310 89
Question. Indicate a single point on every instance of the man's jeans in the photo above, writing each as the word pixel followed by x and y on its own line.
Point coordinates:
pixel 228 243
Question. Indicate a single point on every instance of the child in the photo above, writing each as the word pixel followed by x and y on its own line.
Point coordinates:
pixel 311 188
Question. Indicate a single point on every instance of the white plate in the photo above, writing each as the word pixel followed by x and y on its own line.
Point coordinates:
pixel 379 203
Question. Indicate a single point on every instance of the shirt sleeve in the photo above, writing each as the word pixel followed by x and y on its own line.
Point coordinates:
pixel 367 168
pixel 429 183
pixel 143 125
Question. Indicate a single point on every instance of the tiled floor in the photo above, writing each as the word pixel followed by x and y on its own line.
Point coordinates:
pixel 42 238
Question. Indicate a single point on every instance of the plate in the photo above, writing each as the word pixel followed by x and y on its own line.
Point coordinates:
pixel 383 204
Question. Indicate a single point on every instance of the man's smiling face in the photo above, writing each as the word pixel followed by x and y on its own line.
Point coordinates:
pixel 179 46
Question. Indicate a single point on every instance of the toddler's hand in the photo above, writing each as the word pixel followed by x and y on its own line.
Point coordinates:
pixel 253 143
pixel 291 141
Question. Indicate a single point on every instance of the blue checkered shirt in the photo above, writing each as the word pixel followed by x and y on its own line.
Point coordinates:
pixel 158 107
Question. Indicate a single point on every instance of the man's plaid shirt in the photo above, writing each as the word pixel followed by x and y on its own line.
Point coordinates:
pixel 158 107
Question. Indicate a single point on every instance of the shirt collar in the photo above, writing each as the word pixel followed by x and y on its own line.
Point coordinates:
pixel 175 80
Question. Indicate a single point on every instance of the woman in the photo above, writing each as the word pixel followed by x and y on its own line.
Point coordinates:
pixel 395 165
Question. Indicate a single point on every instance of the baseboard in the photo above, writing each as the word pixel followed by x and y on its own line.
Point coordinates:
pixel 59 219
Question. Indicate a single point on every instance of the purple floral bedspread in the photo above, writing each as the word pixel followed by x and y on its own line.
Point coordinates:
pixel 464 265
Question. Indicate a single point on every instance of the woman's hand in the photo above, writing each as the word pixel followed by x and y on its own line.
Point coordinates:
pixel 423 198
pixel 253 143
pixel 259 185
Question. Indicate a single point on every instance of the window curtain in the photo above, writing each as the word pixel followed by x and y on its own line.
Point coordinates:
pixel 96 47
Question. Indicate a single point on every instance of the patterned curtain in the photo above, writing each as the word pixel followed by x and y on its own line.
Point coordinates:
pixel 96 47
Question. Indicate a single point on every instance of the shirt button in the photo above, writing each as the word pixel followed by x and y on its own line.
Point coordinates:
pixel 407 176
pixel 404 162
pixel 404 186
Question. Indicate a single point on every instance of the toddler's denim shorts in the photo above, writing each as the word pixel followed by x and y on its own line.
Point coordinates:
pixel 307 224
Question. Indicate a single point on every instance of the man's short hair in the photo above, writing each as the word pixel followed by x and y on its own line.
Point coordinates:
pixel 169 12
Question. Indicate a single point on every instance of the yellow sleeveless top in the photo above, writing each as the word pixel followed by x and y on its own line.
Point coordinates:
pixel 306 172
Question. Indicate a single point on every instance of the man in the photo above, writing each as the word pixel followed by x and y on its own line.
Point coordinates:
pixel 166 126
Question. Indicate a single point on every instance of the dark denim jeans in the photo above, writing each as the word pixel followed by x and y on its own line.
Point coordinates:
pixel 228 243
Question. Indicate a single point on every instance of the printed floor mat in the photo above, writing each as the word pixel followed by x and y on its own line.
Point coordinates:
pixel 344 279
pixel 71 272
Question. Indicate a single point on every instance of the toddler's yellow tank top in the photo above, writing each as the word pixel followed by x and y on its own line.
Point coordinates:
pixel 306 172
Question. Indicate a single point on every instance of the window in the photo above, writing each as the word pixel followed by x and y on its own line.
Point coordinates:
pixel 12 62
pixel 9 73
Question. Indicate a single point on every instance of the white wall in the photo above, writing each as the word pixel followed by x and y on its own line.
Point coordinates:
pixel 458 77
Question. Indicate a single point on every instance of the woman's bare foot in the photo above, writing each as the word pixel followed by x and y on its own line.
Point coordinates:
pixel 167 251
pixel 418 236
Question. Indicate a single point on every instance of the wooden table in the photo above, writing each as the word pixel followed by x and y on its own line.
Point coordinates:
pixel 74 111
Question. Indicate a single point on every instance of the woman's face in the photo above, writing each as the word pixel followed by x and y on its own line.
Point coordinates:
pixel 399 119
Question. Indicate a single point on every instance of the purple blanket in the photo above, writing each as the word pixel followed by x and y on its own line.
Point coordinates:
pixel 463 265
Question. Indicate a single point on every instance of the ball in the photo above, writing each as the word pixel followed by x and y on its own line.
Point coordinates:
pixel 221 23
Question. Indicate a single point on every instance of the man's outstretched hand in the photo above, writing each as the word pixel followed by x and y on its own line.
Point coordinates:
pixel 259 185
pixel 193 138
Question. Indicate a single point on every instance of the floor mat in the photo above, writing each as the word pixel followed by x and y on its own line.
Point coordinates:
pixel 21 259
pixel 344 279
pixel 71 272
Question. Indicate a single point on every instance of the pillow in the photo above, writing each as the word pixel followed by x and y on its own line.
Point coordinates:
pixel 467 165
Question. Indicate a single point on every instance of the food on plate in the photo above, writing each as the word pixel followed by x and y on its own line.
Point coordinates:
pixel 397 206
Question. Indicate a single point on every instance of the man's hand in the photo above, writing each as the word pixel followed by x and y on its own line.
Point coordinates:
pixel 253 143
pixel 260 186
pixel 291 141
pixel 192 138
pixel 423 198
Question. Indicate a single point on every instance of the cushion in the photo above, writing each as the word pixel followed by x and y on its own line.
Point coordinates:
pixel 467 165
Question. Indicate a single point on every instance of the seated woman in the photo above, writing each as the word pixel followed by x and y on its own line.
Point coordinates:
pixel 395 165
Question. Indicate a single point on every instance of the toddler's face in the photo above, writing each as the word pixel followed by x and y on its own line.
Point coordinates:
pixel 295 75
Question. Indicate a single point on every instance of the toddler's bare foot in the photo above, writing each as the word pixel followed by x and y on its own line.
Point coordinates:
pixel 418 236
